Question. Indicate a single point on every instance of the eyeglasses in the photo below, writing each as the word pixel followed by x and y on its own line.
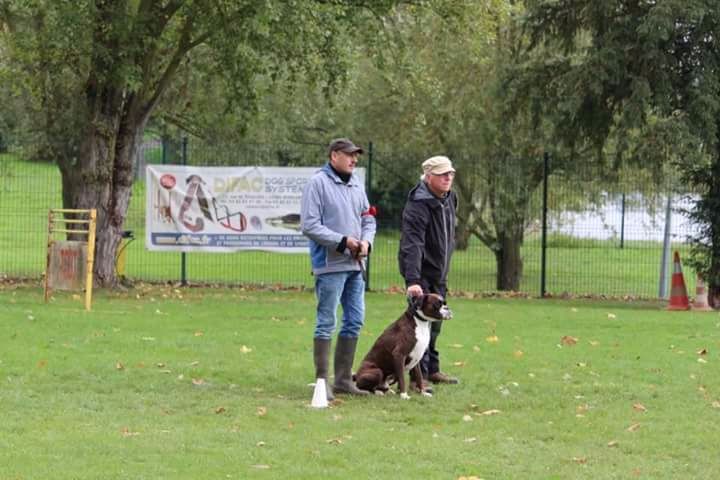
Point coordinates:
pixel 446 174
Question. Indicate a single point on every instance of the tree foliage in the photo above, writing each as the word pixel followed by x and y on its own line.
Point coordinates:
pixel 96 71
pixel 649 69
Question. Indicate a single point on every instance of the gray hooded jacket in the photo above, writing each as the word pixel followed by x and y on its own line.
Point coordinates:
pixel 331 210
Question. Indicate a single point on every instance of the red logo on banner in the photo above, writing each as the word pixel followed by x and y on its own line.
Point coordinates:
pixel 167 181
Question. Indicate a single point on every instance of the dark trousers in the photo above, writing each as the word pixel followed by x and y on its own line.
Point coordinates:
pixel 430 362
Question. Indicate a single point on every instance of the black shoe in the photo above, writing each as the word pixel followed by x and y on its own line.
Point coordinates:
pixel 439 377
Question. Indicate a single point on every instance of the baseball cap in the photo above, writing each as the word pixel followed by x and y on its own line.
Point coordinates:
pixel 344 145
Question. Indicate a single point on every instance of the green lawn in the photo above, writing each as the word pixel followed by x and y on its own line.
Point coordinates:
pixel 573 266
pixel 164 383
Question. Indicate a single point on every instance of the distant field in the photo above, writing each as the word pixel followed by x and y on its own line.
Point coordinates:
pixel 574 266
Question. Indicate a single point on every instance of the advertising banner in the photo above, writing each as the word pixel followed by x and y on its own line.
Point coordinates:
pixel 225 209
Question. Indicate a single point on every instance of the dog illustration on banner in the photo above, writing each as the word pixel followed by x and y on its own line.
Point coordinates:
pixel 198 193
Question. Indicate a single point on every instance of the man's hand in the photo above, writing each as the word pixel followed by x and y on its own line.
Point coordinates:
pixel 414 291
pixel 357 248
pixel 354 245
pixel 364 249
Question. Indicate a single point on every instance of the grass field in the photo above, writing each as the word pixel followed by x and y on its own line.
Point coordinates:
pixel 164 383
pixel 574 266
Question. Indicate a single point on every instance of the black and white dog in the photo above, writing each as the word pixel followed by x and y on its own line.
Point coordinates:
pixel 401 346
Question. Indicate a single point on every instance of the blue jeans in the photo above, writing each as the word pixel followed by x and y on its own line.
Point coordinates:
pixel 346 289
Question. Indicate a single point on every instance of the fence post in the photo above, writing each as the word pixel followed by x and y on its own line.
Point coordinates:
pixel 543 241
pixel 622 222
pixel 368 182
pixel 183 255
pixel 665 260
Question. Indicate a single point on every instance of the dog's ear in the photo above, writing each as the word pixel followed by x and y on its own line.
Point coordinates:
pixel 417 302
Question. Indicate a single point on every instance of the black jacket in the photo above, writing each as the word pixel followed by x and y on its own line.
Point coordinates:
pixel 427 237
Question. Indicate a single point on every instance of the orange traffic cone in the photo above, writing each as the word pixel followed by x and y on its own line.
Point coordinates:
pixel 701 297
pixel 678 292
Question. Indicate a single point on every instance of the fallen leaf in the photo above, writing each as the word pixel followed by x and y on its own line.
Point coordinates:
pixel 580 460
pixel 492 411
pixel 160 365
pixel 198 381
pixel 335 441
pixel 42 363
pixel 492 339
pixel 199 334
pixel 470 440
pixel 119 366
pixel 518 353
pixel 260 444
pixel 639 407
pixel 467 418
pixel 594 343
pixel 574 310
pixel 716 404
pixel 702 360
pixel 127 433
pixel 261 467
pixel 633 427
pixel 702 352
pixel 471 477
pixel 611 316
pixel 582 408
pixel 476 348
pixel 613 443
pixel 261 411
pixel 220 410
pixel 455 345
pixel 568 340
pixel 245 349
pixel 459 364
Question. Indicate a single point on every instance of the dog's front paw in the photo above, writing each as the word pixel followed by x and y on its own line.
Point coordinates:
pixel 425 393
pixel 405 396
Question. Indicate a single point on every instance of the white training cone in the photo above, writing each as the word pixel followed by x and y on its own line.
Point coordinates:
pixel 319 399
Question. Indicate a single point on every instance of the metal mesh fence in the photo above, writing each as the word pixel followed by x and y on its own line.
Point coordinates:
pixel 605 231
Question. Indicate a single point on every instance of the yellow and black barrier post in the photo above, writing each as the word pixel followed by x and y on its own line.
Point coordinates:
pixel 70 262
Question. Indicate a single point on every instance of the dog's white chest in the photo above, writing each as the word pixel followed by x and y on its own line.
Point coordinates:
pixel 422 340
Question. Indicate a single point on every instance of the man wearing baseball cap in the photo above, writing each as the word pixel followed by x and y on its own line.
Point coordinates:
pixel 427 241
pixel 340 231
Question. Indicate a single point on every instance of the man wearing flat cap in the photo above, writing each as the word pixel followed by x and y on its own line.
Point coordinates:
pixel 427 241
pixel 335 217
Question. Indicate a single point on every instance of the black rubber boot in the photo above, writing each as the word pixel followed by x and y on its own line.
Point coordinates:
pixel 344 355
pixel 321 355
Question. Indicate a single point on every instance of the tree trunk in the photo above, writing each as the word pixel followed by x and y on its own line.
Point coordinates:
pixel 711 199
pixel 509 262
pixel 462 237
pixel 102 178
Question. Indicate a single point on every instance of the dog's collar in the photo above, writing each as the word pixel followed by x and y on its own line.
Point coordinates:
pixel 419 315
